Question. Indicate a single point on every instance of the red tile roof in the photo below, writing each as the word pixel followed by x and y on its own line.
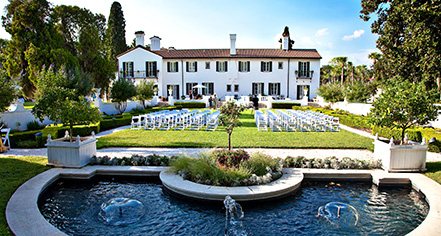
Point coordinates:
pixel 240 53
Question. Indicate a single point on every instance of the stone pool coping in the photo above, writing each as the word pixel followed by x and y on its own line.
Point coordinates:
pixel 24 217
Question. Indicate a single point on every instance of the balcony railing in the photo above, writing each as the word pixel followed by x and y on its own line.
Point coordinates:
pixel 137 74
pixel 304 74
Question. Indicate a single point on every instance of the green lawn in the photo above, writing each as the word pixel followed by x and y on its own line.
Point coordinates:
pixel 245 136
pixel 14 171
pixel 434 171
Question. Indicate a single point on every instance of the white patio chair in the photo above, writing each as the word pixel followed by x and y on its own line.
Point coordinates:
pixel 5 138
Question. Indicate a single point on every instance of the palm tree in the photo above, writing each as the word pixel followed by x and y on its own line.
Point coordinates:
pixel 342 62
pixel 376 66
pixel 361 71
pixel 325 74
pixel 350 67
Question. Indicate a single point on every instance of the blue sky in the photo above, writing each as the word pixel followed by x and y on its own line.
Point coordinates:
pixel 333 27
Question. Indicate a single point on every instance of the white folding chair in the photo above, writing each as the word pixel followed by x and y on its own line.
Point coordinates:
pixel 5 138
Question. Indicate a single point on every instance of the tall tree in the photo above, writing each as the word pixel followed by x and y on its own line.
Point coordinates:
pixel 340 62
pixel 84 34
pixel 34 41
pixel 409 35
pixel 325 74
pixel 116 32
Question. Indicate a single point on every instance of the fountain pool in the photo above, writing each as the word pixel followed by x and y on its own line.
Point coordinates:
pixel 74 208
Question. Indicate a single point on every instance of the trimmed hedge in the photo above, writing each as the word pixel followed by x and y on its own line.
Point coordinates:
pixel 85 130
pixel 190 104
pixel 414 135
pixel 20 137
pixel 107 124
pixel 284 105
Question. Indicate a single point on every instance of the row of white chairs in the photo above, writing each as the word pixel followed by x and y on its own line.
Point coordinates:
pixel 176 120
pixel 295 120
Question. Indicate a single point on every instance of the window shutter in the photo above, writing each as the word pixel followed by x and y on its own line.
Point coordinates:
pixel 261 66
pixel 195 66
pixel 133 69
pixel 278 89
pixel 248 66
pixel 270 86
pixel 177 66
pixel 155 69
pixel 168 66
pixel 226 66
pixel 300 69
pixel 240 66
pixel 270 66
pixel 307 65
pixel 186 66
pixel 217 66
pixel 263 87
pixel 124 70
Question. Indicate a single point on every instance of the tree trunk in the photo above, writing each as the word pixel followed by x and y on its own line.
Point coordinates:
pixel 342 72
pixel 438 82
pixel 229 141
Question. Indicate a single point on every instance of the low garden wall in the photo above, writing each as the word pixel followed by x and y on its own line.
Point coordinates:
pixel 18 117
pixel 109 108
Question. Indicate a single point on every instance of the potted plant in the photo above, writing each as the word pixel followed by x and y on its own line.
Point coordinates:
pixel 60 96
pixel 401 105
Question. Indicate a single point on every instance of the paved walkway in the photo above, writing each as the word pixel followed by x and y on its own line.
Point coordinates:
pixel 309 153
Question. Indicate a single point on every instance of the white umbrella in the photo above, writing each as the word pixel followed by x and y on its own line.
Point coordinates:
pixel 199 86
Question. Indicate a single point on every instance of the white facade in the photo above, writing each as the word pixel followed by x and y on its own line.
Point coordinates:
pixel 283 80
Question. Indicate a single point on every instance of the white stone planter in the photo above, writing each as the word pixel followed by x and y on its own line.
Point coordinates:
pixel 401 158
pixel 62 153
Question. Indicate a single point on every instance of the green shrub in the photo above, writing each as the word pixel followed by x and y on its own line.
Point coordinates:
pixel 27 144
pixel 107 124
pixel 435 146
pixel 41 141
pixel 284 105
pixel 34 125
pixel 414 135
pixel 230 158
pixel 331 163
pixel 332 92
pixel 19 137
pixel 190 104
pixel 259 163
pixel 84 130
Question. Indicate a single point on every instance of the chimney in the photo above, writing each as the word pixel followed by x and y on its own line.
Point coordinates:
pixel 233 44
pixel 155 43
pixel 285 43
pixel 139 38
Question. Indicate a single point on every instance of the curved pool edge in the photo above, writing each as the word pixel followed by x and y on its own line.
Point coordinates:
pixel 24 217
pixel 288 183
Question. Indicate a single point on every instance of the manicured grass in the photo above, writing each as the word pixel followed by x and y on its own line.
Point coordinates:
pixel 245 136
pixel 434 171
pixel 14 171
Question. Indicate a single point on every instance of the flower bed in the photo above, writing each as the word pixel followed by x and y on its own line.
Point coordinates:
pixel 331 163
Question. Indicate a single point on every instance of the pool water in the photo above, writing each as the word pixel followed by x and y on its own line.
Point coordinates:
pixel 74 207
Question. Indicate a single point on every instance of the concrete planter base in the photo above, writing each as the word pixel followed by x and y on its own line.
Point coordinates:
pixel 401 158
pixel 62 153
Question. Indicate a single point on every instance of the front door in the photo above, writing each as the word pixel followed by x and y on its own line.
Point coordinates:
pixel 301 92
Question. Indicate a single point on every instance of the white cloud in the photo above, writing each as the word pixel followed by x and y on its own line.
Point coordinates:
pixel 356 34
pixel 322 32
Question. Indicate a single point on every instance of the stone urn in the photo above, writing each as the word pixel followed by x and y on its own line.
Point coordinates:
pixel 408 157
pixel 76 154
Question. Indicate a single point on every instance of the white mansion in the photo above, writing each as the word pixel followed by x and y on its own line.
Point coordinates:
pixel 233 72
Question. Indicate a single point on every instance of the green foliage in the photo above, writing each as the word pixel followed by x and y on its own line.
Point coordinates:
pixel 284 105
pixel 34 125
pixel 205 169
pixel 144 92
pixel 332 92
pixel 122 90
pixel 409 34
pixel 82 130
pixel 360 91
pixel 107 124
pixel 331 163
pixel 116 32
pixel 260 163
pixel 229 118
pixel 403 104
pixel 20 137
pixel 414 135
pixel 60 97
pixel 8 91
pixel 230 158
pixel 190 104
pixel 434 171
pixel 134 160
